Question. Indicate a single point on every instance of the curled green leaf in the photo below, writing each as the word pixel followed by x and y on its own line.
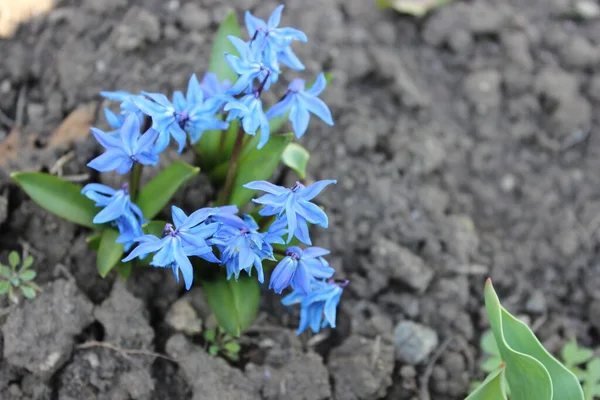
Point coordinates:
pixel 296 158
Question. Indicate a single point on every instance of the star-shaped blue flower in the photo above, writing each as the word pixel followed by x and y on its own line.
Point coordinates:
pixel 126 149
pixel 294 203
pixel 249 110
pixel 196 113
pixel 242 249
pixel 117 209
pixel 273 42
pixel 212 87
pixel 301 103
pixel 319 307
pixel 249 66
pixel 299 267
pixel 186 237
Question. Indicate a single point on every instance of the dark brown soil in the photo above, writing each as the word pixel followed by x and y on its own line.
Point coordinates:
pixel 465 146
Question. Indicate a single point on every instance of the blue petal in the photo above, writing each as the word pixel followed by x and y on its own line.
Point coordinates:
pixel 98 187
pixel 319 85
pixel 185 266
pixel 301 232
pixel 197 217
pixel 125 166
pixel 319 268
pixel 283 274
pixel 162 142
pixel 301 280
pixel 178 216
pixel 317 107
pixel 264 131
pixel 112 211
pixel 281 108
pixel 164 257
pixel 300 117
pixel 108 161
pixel 310 192
pixel 312 213
pixel 253 24
pixel 275 17
pixel 130 131
pixel 151 244
pixel 290 59
pixel 179 136
pixel 107 141
pixel 313 252
pixel 113 120
pixel 194 91
pixel 289 34
pixel 145 141
pixel 265 186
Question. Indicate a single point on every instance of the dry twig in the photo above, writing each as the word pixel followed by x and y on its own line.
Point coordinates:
pixel 424 389
pixel 126 353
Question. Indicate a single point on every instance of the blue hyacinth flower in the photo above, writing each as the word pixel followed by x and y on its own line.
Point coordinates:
pixel 249 66
pixel 294 203
pixel 127 100
pixel 273 42
pixel 249 110
pixel 318 308
pixel 299 267
pixel 197 114
pixel 126 149
pixel 242 249
pixel 118 210
pixel 300 103
pixel 186 237
pixel 165 119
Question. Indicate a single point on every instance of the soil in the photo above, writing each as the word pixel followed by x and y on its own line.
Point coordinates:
pixel 465 146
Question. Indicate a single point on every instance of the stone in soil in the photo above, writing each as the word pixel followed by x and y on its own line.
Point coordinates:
pixel 39 334
pixel 362 368
pixel 414 342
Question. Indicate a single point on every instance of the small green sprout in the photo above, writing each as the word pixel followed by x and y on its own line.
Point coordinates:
pixel 223 344
pixel 13 277
pixel 576 357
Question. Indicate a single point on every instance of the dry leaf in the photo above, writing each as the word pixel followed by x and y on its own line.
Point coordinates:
pixel 75 127
pixel 13 12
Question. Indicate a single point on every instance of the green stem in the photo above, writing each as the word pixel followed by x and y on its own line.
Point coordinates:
pixel 232 169
pixel 134 181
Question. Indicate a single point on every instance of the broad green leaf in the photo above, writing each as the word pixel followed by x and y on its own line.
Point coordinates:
pixel 591 383
pixel 232 347
pixel 4 286
pixel 28 292
pixel 210 335
pixel 5 271
pixel 492 388
pixel 93 241
pixel 531 372
pixel 417 8
pixel 234 303
pixel 257 165
pixel 124 269
pixel 574 355
pixel 276 123
pixel 215 147
pixel 27 263
pixel 158 192
pixel 296 157
pixel 109 252
pixel 222 45
pixel 57 196
pixel 214 349
pixel 491 364
pixel 27 275
pixel 14 259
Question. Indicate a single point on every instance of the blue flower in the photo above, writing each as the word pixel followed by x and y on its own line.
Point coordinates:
pixel 118 209
pixel 165 119
pixel 319 307
pixel 299 267
pixel 211 87
pixel 127 100
pixel 274 42
pixel 242 249
pixel 249 110
pixel 195 113
pixel 187 237
pixel 249 66
pixel 301 103
pixel 123 151
pixel 294 203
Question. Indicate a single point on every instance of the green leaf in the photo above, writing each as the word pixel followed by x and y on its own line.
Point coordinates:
pixel 27 275
pixel 158 192
pixel 234 304
pixel 215 147
pixel 93 241
pixel 491 364
pixel 154 228
pixel 492 388
pixel 27 263
pixel 14 259
pixel 574 355
pixel 109 252
pixel 417 8
pixel 4 286
pixel 232 347
pixel 276 123
pixel 531 372
pixel 257 165
pixel 296 157
pixel 210 335
pixel 124 269
pixel 28 292
pixel 5 271
pixel 214 349
pixel 57 196
pixel 222 45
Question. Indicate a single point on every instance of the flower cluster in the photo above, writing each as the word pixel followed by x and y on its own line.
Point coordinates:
pixel 143 129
